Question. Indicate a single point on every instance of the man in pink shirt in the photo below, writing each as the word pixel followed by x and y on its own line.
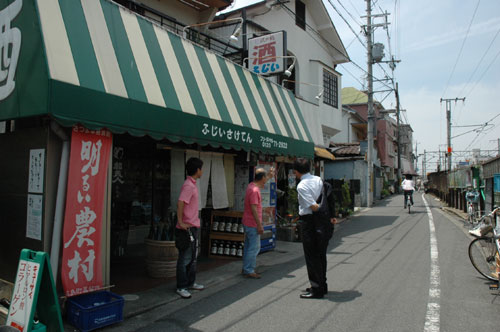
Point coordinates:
pixel 188 220
pixel 252 221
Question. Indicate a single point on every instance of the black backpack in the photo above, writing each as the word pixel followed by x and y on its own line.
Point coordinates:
pixel 326 202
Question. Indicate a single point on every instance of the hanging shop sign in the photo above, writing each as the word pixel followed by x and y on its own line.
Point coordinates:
pixel 81 266
pixel 10 46
pixel 265 53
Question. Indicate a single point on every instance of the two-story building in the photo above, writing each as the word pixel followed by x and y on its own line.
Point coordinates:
pixel 120 87
pixel 316 48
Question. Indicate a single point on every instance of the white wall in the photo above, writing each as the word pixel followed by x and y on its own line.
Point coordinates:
pixel 313 54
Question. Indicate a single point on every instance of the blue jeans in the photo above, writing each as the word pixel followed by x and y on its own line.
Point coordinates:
pixel 186 263
pixel 251 250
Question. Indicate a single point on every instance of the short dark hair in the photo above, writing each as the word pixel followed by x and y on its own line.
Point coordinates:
pixel 260 173
pixel 302 165
pixel 192 166
pixel 408 176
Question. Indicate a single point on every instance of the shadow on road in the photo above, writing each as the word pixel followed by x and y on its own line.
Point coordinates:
pixel 344 296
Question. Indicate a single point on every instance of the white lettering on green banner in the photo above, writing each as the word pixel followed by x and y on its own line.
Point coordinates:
pixel 10 40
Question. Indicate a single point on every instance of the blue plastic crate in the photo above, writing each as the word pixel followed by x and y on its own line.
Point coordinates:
pixel 88 312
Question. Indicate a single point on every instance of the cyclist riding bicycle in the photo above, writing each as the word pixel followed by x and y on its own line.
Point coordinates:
pixel 408 189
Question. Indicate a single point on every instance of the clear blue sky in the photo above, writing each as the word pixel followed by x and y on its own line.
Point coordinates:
pixel 448 49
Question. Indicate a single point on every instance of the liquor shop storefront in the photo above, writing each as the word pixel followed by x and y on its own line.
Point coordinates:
pixel 96 68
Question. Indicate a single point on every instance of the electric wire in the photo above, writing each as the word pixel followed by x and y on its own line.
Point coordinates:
pixel 480 131
pixel 484 73
pixel 474 72
pixel 348 12
pixel 480 61
pixel 292 15
pixel 461 49
pixel 346 22
pixel 361 42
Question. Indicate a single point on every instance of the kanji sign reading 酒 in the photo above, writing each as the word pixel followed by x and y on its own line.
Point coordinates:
pixel 88 168
pixel 265 53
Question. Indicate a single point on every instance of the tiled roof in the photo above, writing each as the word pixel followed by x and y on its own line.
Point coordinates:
pixel 345 149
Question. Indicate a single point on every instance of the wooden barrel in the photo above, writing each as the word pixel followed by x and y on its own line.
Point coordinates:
pixel 161 259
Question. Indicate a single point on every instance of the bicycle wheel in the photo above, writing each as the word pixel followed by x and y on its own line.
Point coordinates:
pixel 482 253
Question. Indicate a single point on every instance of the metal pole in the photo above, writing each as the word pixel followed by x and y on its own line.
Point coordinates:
pixel 424 167
pixel 369 186
pixel 398 137
pixel 448 120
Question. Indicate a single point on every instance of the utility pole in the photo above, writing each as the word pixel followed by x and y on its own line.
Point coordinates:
pixel 448 120
pixel 398 137
pixel 424 167
pixel 416 154
pixel 369 177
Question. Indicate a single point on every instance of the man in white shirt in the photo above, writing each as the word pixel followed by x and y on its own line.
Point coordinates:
pixel 316 232
pixel 408 188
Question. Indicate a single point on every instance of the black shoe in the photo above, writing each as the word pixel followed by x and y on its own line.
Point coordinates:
pixel 310 290
pixel 310 295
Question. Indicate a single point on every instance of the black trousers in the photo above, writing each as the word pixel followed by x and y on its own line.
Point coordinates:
pixel 316 233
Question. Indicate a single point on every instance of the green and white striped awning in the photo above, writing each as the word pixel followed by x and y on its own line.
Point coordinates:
pixel 108 67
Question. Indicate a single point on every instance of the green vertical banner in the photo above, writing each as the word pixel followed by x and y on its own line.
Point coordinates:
pixel 34 292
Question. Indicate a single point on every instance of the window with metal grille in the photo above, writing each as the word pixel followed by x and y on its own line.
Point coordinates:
pixel 331 91
pixel 300 14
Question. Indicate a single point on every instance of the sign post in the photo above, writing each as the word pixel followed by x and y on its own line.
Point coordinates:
pixel 34 291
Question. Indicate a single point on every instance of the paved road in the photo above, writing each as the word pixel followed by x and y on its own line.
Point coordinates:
pixel 387 271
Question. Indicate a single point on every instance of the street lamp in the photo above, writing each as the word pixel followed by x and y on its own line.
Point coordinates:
pixel 288 72
pixel 233 37
pixel 318 96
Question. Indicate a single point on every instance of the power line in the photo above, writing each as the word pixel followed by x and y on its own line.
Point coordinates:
pixel 349 25
pixel 461 48
pixel 349 13
pixel 485 71
pixel 480 131
pixel 480 61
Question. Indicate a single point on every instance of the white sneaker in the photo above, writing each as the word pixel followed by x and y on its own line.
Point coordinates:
pixel 183 292
pixel 196 286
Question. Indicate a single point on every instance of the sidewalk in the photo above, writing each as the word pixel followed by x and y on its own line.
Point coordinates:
pixel 456 212
pixel 148 300
pixel 141 302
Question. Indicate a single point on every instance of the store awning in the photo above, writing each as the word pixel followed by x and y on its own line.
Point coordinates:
pixel 323 153
pixel 107 67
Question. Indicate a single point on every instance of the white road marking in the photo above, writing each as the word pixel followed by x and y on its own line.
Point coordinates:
pixel 433 308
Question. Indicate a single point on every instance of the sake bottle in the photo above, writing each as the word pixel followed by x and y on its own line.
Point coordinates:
pixel 233 249
pixel 213 249
pixel 227 249
pixel 241 229
pixel 235 226
pixel 215 224
pixel 220 248
pixel 229 225
pixel 222 224
pixel 239 252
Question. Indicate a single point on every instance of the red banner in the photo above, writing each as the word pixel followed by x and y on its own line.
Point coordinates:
pixel 81 270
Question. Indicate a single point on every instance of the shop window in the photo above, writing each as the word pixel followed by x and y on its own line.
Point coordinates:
pixel 331 91
pixel 300 14
pixel 140 192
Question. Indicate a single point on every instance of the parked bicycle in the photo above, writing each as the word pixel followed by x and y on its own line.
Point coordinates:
pixel 473 213
pixel 484 251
